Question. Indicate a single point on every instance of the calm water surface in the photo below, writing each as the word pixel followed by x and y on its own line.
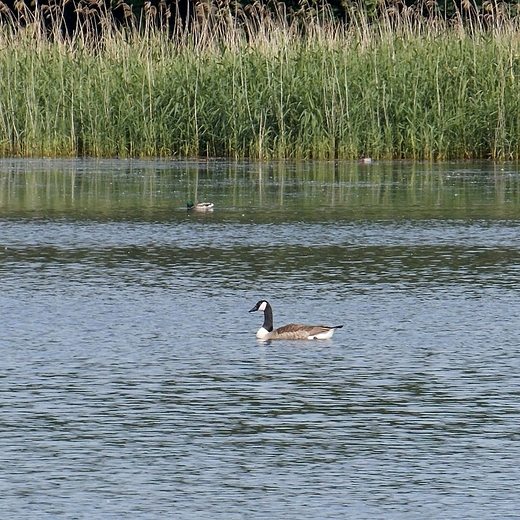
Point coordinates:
pixel 131 382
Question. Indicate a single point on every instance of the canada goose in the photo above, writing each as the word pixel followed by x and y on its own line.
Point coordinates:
pixel 201 206
pixel 291 331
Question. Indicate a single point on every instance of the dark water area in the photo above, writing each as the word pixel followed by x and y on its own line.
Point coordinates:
pixel 132 384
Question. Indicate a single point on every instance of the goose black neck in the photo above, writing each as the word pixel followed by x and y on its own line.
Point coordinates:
pixel 268 318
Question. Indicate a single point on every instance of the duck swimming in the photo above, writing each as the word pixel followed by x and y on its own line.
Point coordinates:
pixel 291 331
pixel 201 206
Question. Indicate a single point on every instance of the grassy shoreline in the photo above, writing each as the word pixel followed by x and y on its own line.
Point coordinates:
pixel 415 89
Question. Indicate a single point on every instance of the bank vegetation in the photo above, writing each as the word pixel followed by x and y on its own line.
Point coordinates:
pixel 264 83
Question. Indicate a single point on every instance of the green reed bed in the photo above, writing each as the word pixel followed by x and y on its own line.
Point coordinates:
pixel 269 89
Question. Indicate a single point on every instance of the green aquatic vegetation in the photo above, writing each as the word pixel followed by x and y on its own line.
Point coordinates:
pixel 262 87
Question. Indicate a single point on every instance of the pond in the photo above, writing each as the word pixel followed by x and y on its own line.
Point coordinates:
pixel 132 384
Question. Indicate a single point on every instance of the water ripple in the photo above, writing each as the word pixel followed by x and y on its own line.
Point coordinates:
pixel 132 385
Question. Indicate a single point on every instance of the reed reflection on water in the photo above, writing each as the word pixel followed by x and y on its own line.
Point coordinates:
pixel 133 385
pixel 137 189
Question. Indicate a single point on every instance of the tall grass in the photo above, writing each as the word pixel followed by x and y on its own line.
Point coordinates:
pixel 263 85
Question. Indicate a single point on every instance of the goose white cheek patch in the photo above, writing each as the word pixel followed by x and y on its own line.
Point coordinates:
pixel 263 306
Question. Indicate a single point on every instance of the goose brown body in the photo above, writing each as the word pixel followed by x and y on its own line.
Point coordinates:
pixel 291 331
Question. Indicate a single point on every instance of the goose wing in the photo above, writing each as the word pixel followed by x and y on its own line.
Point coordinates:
pixel 298 331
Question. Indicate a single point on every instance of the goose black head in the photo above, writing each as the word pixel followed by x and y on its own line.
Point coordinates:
pixel 261 305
